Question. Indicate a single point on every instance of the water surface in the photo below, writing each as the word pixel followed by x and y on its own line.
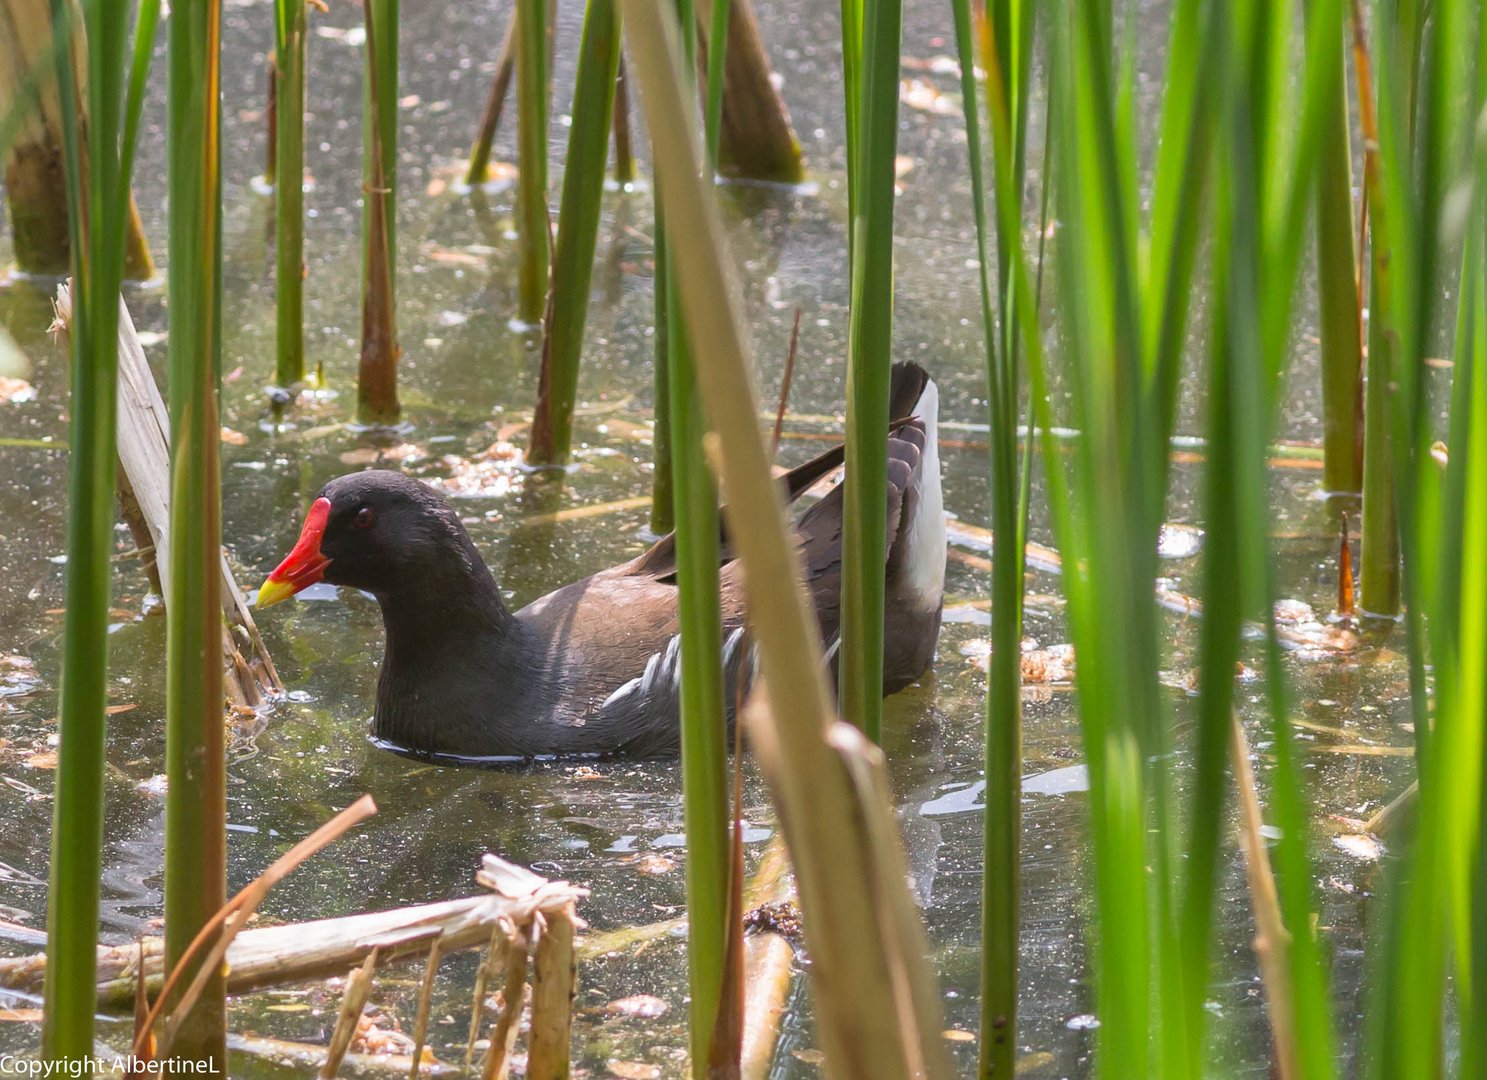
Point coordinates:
pixel 467 376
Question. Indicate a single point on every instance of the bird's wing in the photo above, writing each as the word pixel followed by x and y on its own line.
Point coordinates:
pixel 908 383
pixel 659 560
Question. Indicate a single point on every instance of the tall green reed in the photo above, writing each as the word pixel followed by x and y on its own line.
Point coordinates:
pixel 377 375
pixel 291 19
pixel 1007 36
pixel 865 937
pixel 871 149
pixel 704 732
pixel 1340 307
pixel 578 234
pixel 195 755
pixel 663 503
pixel 1426 114
pixel 1380 558
pixel 1126 297
pixel 1265 168
pixel 98 164
pixel 531 199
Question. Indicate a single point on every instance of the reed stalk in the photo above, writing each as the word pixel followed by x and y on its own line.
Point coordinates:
pixel 1124 316
pixel 754 140
pixel 478 170
pixel 531 200
pixel 578 215
pixel 1263 172
pixel 290 30
pixel 866 942
pixel 663 503
pixel 1001 870
pixel 1339 302
pixel 271 121
pixel 1380 559
pixel 704 729
pixel 377 376
pixel 1430 939
pixel 97 172
pixel 624 153
pixel 1107 529
pixel 869 365
pixel 195 755
pixel 717 13
pixel 31 137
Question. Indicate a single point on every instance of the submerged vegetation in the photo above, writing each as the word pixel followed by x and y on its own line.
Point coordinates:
pixel 1183 239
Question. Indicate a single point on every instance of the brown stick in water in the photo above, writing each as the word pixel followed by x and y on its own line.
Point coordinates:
pixel 779 416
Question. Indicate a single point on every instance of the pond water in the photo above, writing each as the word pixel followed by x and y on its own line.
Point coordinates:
pixel 613 827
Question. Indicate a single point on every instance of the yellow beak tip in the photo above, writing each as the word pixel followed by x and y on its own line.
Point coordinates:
pixel 274 591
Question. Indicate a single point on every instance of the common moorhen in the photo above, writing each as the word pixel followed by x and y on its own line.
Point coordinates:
pixel 593 668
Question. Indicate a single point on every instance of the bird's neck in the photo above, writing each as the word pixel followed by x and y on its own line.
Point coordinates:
pixel 447 630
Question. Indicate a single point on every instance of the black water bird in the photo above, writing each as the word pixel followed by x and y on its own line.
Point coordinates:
pixel 594 668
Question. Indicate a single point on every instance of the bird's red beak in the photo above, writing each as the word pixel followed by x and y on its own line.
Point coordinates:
pixel 303 566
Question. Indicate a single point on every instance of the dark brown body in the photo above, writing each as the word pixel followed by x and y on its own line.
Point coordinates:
pixel 593 668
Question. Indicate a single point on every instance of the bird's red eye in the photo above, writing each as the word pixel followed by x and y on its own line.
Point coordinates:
pixel 365 518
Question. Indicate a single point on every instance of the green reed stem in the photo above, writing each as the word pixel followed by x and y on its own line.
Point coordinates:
pixel 1380 569
pixel 195 759
pixel 663 517
pixel 1414 159
pixel 717 56
pixel 532 106
pixel 578 216
pixel 99 198
pixel 377 372
pixel 703 706
pixel 1105 528
pixel 290 30
pixel 1389 115
pixel 704 726
pixel 852 21
pixel 869 364
pixel 1338 299
pixel 478 169
pixel 381 108
pixel 865 937
pixel 625 172
pixel 1001 879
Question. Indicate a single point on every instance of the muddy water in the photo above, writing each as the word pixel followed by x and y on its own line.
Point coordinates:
pixel 615 828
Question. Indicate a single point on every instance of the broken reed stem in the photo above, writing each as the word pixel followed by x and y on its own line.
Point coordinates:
pixel 495 104
pixel 769 971
pixel 234 916
pixel 425 999
pixel 482 977
pixel 358 989
pixel 756 140
pixel 1272 939
pixel 513 1000
pixel 554 982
